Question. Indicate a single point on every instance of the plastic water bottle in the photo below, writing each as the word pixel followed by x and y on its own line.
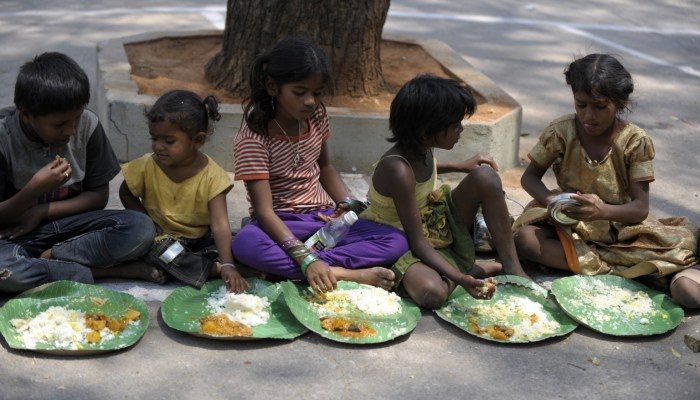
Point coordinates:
pixel 332 232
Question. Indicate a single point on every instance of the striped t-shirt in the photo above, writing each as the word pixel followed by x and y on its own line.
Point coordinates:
pixel 260 156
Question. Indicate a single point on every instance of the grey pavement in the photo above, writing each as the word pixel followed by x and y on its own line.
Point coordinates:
pixel 523 46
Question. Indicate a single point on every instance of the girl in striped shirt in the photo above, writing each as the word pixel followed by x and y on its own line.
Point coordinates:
pixel 282 156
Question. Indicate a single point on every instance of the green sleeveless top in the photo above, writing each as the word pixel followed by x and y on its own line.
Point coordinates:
pixel 382 208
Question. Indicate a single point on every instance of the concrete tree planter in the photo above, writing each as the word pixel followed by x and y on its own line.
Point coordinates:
pixel 358 138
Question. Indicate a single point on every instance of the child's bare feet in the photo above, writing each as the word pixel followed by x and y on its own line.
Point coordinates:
pixel 515 269
pixel 132 270
pixel 375 276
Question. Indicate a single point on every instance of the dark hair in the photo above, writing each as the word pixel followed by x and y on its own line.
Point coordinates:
pixel 186 110
pixel 51 83
pixel 601 75
pixel 426 105
pixel 293 59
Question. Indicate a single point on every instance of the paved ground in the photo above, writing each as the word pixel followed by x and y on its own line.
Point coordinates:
pixel 523 47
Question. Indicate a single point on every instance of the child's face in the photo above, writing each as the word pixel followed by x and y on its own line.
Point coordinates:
pixel 596 114
pixel 172 146
pixel 448 138
pixel 56 128
pixel 297 100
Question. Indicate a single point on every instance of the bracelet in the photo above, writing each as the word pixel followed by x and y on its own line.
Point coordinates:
pixel 290 242
pixel 298 252
pixel 353 204
pixel 227 265
pixel 308 260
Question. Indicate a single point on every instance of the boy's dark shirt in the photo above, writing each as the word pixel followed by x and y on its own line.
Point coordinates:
pixel 89 153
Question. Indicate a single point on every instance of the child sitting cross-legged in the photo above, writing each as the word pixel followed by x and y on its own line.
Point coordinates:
pixel 55 168
pixel 184 192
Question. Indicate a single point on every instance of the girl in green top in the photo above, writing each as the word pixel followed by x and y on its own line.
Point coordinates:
pixel 427 113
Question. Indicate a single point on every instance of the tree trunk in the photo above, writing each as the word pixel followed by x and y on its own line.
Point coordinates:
pixel 348 31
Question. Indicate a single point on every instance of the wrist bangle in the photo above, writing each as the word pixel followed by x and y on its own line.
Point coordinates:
pixel 290 242
pixel 227 265
pixel 353 204
pixel 308 260
pixel 298 252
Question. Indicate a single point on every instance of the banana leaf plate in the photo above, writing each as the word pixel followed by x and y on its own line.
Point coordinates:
pixel 387 327
pixel 616 306
pixel 186 305
pixel 75 296
pixel 513 315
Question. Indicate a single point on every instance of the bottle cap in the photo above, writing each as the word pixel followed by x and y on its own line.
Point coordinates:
pixel 350 217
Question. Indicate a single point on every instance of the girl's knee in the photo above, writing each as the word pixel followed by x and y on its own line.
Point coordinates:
pixel 524 239
pixel 686 292
pixel 486 178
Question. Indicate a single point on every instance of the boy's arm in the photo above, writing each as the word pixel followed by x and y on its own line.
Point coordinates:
pixel 86 201
pixel 129 201
pixel 51 176
pixel 221 230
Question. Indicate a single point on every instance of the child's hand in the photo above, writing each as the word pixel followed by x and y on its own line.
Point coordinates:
pixel 320 277
pixel 590 209
pixel 51 176
pixel 477 288
pixel 340 210
pixel 234 281
pixel 30 220
pixel 479 159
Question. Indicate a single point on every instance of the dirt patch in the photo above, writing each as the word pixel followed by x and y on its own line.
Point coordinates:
pixel 178 63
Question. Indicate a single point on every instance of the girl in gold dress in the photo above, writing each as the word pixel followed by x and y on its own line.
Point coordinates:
pixel 607 163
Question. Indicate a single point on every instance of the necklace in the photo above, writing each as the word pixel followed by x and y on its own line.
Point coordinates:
pixel 296 160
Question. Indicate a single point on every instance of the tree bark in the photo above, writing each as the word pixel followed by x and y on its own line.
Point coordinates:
pixel 348 31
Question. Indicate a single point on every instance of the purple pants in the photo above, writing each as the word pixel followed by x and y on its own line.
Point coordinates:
pixel 367 244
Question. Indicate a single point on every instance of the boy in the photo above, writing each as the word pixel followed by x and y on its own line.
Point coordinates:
pixel 55 168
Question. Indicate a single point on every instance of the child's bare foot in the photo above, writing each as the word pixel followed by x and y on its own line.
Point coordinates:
pixel 375 276
pixel 484 269
pixel 515 270
pixel 248 272
pixel 46 254
pixel 132 270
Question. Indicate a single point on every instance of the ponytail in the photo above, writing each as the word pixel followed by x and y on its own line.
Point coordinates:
pixel 186 110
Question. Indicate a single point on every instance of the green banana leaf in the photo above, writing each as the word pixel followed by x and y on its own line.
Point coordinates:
pixel 186 305
pixel 457 310
pixel 387 328
pixel 76 296
pixel 570 294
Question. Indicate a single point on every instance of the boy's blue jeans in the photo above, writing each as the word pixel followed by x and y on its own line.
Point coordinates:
pixel 96 239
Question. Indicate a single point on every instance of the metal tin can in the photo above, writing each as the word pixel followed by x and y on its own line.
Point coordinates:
pixel 483 243
pixel 555 212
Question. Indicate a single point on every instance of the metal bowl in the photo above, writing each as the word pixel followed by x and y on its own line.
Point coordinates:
pixel 555 209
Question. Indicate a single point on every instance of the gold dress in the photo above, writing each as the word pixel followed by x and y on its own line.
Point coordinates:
pixel 654 246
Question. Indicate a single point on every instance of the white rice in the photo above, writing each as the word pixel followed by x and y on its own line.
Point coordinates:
pixel 523 308
pixel 370 300
pixel 613 305
pixel 247 309
pixel 58 327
